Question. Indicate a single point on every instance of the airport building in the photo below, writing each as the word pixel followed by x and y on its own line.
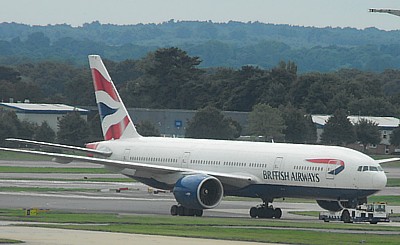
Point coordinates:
pixel 38 113
pixel 173 123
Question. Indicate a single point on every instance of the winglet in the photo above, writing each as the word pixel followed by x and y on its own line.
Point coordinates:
pixel 115 120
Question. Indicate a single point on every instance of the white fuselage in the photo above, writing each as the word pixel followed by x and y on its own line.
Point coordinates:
pixel 280 170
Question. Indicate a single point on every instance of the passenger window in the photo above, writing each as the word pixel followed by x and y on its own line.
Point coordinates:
pixel 365 168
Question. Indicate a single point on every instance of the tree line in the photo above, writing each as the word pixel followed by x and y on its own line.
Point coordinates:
pixel 232 44
pixel 171 78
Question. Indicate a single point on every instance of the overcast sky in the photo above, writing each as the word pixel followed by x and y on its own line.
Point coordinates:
pixel 319 13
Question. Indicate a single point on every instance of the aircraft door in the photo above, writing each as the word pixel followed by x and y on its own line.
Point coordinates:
pixel 278 164
pixel 330 169
pixel 127 152
pixel 185 159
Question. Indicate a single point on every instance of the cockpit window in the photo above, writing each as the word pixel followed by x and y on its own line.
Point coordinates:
pixel 373 168
pixel 370 168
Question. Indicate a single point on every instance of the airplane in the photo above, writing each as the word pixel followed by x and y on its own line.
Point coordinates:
pixel 388 11
pixel 200 172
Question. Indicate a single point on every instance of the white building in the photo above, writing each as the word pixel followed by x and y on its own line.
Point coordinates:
pixel 38 113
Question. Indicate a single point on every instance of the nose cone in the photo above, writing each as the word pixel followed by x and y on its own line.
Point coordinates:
pixel 380 180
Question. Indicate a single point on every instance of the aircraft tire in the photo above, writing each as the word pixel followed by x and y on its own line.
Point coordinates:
pixel 269 213
pixel 198 212
pixel 346 216
pixel 253 212
pixel 277 213
pixel 181 211
pixel 265 213
pixel 174 210
pixel 189 212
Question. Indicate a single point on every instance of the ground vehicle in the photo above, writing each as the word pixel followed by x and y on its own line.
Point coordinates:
pixel 372 213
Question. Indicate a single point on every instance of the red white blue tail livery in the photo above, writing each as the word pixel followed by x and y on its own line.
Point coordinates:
pixel 115 120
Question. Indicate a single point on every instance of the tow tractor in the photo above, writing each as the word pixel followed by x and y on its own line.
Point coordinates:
pixel 372 213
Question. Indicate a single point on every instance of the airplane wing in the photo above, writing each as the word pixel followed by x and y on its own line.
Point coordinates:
pixel 382 161
pixel 62 147
pixel 235 180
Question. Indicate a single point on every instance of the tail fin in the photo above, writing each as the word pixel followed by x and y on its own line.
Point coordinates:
pixel 115 120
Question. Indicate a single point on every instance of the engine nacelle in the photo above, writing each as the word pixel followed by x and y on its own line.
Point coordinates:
pixel 198 191
pixel 333 206
pixel 336 206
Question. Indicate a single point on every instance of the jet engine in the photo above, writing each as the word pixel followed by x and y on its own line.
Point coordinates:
pixel 198 191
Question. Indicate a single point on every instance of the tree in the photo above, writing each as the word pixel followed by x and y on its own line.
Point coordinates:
pixel 26 130
pixel 146 128
pixel 338 130
pixel 9 125
pixel 267 122
pixel 73 129
pixel 210 123
pixel 367 132
pixel 299 126
pixel 9 74
pixel 44 133
pixel 166 72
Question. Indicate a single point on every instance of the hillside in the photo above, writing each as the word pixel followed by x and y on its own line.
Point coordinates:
pixel 231 44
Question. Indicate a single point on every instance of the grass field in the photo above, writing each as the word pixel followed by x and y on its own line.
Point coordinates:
pixel 390 200
pixel 245 229
pixel 8 241
pixel 19 156
pixel 393 182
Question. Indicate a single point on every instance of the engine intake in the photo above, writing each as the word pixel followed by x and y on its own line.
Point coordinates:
pixel 198 191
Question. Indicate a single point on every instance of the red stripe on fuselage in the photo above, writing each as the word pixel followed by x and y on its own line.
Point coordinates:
pixel 116 130
pixel 102 84
pixel 326 161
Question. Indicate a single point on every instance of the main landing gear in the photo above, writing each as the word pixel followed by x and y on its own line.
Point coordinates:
pixel 265 211
pixel 182 211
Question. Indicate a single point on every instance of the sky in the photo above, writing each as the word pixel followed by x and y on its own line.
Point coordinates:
pixel 318 13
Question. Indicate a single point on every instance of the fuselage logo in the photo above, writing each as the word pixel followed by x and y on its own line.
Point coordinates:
pixel 337 165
